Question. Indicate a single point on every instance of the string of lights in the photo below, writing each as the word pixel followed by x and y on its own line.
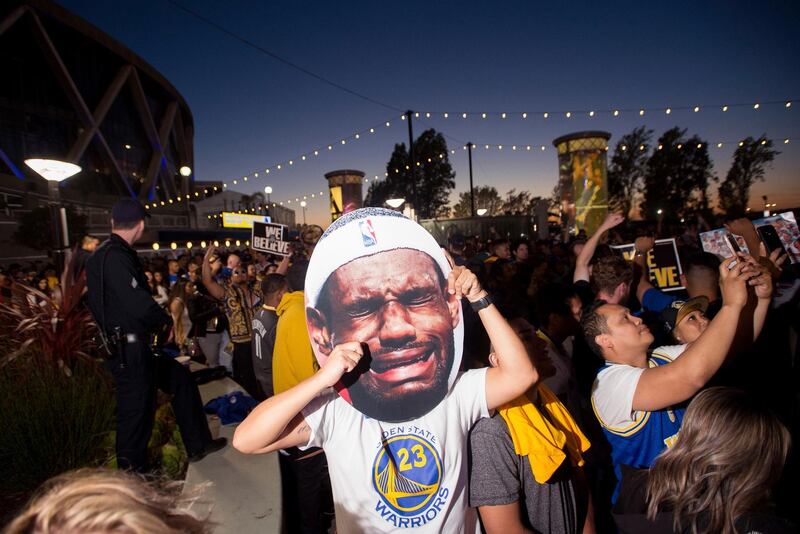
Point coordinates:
pixel 542 148
pixel 597 112
pixel 189 245
pixel 276 168
pixel 591 113
pixel 508 147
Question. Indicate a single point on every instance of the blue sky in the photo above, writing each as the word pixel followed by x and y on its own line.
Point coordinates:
pixel 252 112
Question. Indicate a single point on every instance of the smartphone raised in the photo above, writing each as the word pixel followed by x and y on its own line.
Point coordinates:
pixel 734 245
pixel 770 238
pixel 733 248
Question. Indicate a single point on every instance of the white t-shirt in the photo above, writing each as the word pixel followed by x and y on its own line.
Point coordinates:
pixel 615 385
pixel 394 477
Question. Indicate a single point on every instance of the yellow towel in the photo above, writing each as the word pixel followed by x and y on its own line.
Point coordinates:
pixel 540 440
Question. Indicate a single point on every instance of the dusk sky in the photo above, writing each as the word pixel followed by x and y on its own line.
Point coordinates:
pixel 252 112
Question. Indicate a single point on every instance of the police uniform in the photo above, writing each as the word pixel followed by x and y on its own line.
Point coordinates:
pixel 123 307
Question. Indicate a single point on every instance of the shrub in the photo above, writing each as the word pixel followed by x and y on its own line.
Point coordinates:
pixel 52 422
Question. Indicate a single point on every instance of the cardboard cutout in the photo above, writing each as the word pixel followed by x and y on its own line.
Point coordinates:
pixel 380 279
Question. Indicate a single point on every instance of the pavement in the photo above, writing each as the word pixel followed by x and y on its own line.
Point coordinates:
pixel 241 492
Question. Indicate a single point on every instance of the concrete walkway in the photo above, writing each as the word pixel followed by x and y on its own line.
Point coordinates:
pixel 242 492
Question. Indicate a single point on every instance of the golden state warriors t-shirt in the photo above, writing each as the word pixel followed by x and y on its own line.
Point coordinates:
pixel 400 477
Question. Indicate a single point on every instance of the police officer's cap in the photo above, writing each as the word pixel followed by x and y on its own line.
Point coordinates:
pixel 128 210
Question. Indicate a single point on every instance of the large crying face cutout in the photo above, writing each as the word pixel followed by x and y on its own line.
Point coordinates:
pixel 380 279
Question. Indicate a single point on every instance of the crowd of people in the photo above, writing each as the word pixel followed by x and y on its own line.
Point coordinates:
pixel 590 399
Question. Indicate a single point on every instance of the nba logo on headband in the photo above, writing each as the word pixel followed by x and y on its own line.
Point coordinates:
pixel 367 233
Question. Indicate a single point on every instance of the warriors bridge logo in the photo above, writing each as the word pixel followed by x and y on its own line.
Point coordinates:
pixel 407 474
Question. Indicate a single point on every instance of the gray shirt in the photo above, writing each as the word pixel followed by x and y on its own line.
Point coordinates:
pixel 499 476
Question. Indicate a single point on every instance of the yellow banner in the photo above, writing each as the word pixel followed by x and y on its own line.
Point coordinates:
pixel 242 220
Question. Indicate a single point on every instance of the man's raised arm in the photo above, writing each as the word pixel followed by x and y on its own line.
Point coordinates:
pixel 514 373
pixel 672 383
pixel 583 259
pixel 213 288
pixel 278 422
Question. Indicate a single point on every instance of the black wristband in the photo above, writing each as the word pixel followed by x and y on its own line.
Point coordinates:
pixel 482 303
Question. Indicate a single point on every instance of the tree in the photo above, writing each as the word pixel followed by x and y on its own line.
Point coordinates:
pixel 677 177
pixel 434 176
pixel 35 228
pixel 485 197
pixel 627 169
pixel 750 161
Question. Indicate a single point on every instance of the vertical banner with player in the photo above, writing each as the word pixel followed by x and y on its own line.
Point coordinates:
pixel 663 263
pixel 582 187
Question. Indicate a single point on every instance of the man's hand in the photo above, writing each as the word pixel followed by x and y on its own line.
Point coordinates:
pixel 611 220
pixel 732 281
pixel 462 282
pixel 343 359
pixel 210 252
pixel 772 262
pixel 762 278
pixel 644 244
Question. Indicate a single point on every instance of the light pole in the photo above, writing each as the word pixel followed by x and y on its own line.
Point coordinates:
pixel 186 172
pixel 268 191
pixel 55 172
pixel 471 187
pixel 303 204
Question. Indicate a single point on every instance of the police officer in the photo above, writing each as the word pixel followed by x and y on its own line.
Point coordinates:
pixel 125 311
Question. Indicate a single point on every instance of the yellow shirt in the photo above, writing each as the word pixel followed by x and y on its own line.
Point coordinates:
pixel 546 441
pixel 292 360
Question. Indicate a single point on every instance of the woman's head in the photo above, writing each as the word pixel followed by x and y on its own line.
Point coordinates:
pixel 179 290
pixel 686 321
pixel 101 500
pixel 158 276
pixel 41 283
pixel 729 453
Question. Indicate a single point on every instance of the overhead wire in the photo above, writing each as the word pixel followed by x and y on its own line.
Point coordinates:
pixel 279 58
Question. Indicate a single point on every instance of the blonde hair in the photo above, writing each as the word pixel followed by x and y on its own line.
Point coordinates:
pixel 729 454
pixel 101 500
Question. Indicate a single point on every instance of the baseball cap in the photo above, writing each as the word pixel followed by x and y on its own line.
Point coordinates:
pixel 678 310
pixel 128 210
